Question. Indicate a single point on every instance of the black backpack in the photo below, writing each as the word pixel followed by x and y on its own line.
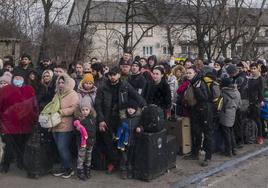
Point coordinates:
pixel 250 131
pixel 152 118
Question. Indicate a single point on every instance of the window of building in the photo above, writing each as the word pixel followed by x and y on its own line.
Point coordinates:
pixel 266 33
pixel 148 33
pixel 147 50
pixel 165 50
pixel 185 49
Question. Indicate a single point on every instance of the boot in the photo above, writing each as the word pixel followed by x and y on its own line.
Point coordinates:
pixel 81 174
pixel 87 172
pixel 124 174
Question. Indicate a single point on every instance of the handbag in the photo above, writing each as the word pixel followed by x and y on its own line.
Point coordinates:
pixel 50 116
pixel 189 96
pixel 49 120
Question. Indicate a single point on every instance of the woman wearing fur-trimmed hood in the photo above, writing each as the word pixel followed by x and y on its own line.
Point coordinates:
pixel 62 133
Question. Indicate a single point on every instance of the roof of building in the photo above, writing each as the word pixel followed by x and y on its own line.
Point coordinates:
pixel 115 12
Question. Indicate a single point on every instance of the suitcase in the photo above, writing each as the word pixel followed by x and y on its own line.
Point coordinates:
pixel 37 156
pixel 150 155
pixel 181 129
pixel 172 150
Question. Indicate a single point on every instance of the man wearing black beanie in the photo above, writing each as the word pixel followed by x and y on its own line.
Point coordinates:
pixel 137 80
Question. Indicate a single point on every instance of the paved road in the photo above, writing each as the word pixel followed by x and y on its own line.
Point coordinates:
pixel 250 174
pixel 17 178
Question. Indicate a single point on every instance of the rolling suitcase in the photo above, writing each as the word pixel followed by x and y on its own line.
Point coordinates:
pixel 181 129
pixel 172 150
pixel 150 155
pixel 37 156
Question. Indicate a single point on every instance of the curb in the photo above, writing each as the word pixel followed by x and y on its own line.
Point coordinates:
pixel 214 170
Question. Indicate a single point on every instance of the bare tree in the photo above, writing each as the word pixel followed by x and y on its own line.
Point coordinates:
pixel 51 13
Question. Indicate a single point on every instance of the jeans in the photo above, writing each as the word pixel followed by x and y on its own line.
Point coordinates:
pixel 63 142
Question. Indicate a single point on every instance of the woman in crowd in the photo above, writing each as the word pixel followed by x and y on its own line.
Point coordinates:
pixel 63 132
pixel 18 114
pixel 158 92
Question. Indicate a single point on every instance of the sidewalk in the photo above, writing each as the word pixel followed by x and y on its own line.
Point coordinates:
pixel 184 170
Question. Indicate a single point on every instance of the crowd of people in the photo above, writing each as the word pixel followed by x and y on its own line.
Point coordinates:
pixel 100 106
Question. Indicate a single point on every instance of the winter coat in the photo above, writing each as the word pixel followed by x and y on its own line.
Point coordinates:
pixel 173 85
pixel 23 71
pixel 40 69
pixel 159 94
pixel 231 102
pixel 241 81
pixel 69 101
pixel 200 91
pixel 183 108
pixel 18 109
pixel 103 101
pixel 255 90
pixel 139 82
pixel 133 122
pixel 90 125
pixel 264 111
pixel 77 80
pixel 99 82
pixel 87 95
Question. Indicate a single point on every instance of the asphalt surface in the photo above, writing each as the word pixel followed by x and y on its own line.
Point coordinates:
pixel 252 173
pixel 17 179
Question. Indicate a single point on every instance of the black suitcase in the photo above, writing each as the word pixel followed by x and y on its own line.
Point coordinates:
pixel 150 155
pixel 37 156
pixel 172 150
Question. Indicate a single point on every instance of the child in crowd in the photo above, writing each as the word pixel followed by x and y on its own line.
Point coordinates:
pixel 264 114
pixel 126 139
pixel 231 102
pixel 86 135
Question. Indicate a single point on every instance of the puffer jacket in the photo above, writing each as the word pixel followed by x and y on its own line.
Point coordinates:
pixel 231 102
pixel 103 102
pixel 69 101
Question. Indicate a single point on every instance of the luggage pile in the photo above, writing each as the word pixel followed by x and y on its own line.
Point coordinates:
pixel 156 150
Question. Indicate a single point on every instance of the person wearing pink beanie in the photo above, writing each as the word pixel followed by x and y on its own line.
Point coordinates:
pixel 5 79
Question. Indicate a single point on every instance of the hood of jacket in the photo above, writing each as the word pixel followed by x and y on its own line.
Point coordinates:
pixel 69 83
pixel 231 91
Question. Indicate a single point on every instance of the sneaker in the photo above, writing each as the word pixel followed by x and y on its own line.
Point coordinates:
pixel 205 163
pixel 68 173
pixel 260 140
pixel 110 168
pixel 58 172
pixel 123 174
pixel 191 157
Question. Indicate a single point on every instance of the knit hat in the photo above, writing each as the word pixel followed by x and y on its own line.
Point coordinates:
pixel 231 70
pixel 114 70
pixel 122 62
pixel 225 82
pixel 132 104
pixel 19 72
pixel 137 63
pixel 85 102
pixel 87 78
pixel 7 77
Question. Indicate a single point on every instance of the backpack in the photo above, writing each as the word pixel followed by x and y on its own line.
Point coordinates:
pixel 152 118
pixel 250 131
pixel 189 96
pixel 215 94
